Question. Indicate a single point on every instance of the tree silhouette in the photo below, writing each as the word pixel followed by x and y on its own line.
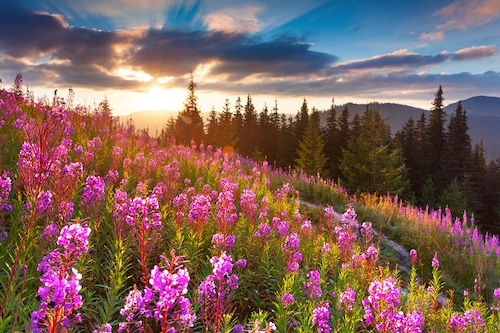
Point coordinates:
pixel 189 123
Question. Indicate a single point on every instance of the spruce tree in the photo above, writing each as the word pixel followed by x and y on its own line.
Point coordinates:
pixel 212 127
pixel 332 143
pixel 458 148
pixel 248 137
pixel 189 123
pixel 435 142
pixel 311 157
pixel 369 163
pixel 453 198
pixel 226 136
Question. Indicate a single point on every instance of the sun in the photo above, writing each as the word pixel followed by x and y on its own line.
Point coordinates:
pixel 158 98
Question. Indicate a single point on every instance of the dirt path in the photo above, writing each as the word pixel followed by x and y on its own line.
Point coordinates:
pixel 403 259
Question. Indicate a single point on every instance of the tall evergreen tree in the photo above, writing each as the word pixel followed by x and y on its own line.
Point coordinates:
pixel 369 163
pixel 344 136
pixel 435 141
pixel 311 157
pixel 248 138
pixel 332 145
pixel 407 142
pixel 458 148
pixel 238 122
pixel 226 136
pixel 212 127
pixel 302 120
pixel 189 123
pixel 453 198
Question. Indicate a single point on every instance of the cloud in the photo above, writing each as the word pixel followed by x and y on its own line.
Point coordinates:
pixel 475 52
pixel 401 59
pixel 436 35
pixel 241 20
pixel 468 13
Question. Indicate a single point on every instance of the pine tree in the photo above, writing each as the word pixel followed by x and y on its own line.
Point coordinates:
pixel 369 163
pixel 249 129
pixel 458 148
pixel 212 127
pixel 311 157
pixel 453 198
pixel 344 136
pixel 238 122
pixel 226 136
pixel 332 143
pixel 189 123
pixel 302 119
pixel 435 141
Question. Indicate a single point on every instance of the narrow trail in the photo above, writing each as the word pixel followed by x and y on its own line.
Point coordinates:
pixel 403 254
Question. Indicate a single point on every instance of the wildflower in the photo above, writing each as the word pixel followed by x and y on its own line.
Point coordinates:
pixel 58 294
pixel 5 186
pixel 326 247
pixel 224 243
pixel 348 298
pixel 321 317
pixel 199 209
pixel 435 261
pixel 312 287
pixel 44 203
pixel 241 263
pixel 162 299
pixel 470 321
pixel 248 203
pixel 263 230
pixel 237 329
pixel 414 256
pixel 49 232
pixel 65 210
pixel 306 227
pixel 104 328
pixel 93 193
pixel 496 294
pixel 287 299
pixel 214 291
pixel 292 242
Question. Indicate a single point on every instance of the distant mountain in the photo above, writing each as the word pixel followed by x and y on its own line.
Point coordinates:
pixel 151 120
pixel 483 115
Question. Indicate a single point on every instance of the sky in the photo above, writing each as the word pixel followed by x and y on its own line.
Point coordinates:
pixel 139 54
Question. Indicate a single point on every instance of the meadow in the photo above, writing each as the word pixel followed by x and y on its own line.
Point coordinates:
pixel 105 229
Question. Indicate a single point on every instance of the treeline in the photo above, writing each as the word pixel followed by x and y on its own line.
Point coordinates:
pixel 429 162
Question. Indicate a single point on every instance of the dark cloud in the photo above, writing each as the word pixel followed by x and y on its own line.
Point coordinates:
pixel 392 60
pixel 163 52
pixel 283 56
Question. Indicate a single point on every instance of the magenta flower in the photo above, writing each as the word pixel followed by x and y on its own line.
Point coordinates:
pixel 312 287
pixel 414 256
pixel 321 317
pixel 214 291
pixel 348 298
pixel 93 193
pixel 59 293
pixel 162 299
pixel 287 299
pixel 435 261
